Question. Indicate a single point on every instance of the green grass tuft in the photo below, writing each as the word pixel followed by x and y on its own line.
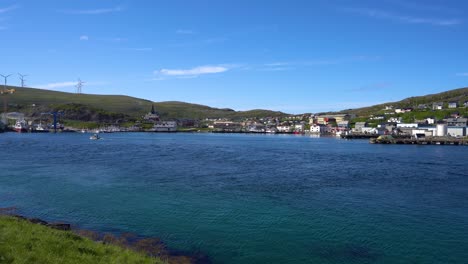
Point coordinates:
pixel 24 242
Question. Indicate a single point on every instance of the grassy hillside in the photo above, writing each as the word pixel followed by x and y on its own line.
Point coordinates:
pixel 23 99
pixel 457 95
pixel 24 242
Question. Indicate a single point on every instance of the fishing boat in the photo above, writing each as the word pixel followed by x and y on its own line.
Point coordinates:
pixel 40 129
pixel 21 126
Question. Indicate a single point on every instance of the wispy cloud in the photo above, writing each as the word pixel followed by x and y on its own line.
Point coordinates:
pixel 200 70
pixel 201 42
pixel 462 74
pixel 371 88
pixel 98 11
pixel 56 85
pixel 293 64
pixel 380 14
pixel 118 39
pixel 84 38
pixel 424 6
pixel 138 49
pixel 8 9
pixel 185 32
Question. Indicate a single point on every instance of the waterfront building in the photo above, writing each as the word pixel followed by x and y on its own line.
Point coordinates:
pixel 457 131
pixel 343 124
pixel 299 127
pixel 284 129
pixel 441 130
pixel 227 126
pixel 165 126
pixel 316 129
pixel 359 126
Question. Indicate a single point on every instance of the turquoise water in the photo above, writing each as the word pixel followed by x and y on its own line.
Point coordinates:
pixel 249 198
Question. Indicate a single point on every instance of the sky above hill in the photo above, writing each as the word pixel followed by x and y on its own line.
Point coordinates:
pixel 293 56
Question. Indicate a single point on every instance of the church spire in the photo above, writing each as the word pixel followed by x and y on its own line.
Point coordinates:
pixel 152 110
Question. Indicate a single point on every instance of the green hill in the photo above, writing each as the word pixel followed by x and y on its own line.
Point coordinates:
pixel 457 95
pixel 33 101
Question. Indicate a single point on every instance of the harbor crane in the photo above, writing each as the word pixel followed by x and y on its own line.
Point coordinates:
pixel 55 114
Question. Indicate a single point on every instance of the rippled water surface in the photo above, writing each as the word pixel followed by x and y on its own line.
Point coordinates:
pixel 249 198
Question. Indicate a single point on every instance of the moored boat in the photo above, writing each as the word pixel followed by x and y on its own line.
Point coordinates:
pixel 21 126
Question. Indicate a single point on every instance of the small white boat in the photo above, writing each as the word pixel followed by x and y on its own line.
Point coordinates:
pixel 95 137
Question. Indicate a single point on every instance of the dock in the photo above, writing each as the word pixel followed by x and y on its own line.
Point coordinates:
pixel 423 141
pixel 359 136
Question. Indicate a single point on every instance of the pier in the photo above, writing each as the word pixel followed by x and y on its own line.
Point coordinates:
pixel 422 141
pixel 359 136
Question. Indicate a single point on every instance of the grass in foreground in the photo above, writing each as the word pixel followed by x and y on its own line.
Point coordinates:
pixel 24 242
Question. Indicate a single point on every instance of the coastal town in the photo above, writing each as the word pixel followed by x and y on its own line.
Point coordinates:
pixel 392 121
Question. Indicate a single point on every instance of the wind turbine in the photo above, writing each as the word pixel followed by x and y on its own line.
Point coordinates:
pixel 21 77
pixel 6 78
pixel 5 102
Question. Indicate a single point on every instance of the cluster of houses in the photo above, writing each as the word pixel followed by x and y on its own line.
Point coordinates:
pixel 338 124
pixel 330 124
pixel 454 127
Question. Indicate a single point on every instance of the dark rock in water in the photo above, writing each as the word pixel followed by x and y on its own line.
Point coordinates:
pixel 60 226
pixel 37 221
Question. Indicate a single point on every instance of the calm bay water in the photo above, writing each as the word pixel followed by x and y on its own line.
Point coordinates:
pixel 249 198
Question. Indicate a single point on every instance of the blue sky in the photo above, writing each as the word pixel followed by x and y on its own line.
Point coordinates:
pixel 293 56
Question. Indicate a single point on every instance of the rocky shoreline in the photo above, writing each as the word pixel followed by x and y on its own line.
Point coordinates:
pixel 149 246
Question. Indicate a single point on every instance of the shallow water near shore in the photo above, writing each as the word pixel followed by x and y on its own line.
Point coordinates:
pixel 249 198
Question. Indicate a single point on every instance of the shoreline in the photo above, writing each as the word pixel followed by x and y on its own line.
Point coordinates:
pixel 148 246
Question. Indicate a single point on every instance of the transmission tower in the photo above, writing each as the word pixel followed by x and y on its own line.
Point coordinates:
pixel 79 86
pixel 23 81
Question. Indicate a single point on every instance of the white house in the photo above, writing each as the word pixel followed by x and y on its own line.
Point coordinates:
pixel 299 127
pixel 437 106
pixel 452 105
pixel 316 129
pixel 407 125
pixel 165 126
pixel 284 129
pixel 430 121
pixel 394 120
